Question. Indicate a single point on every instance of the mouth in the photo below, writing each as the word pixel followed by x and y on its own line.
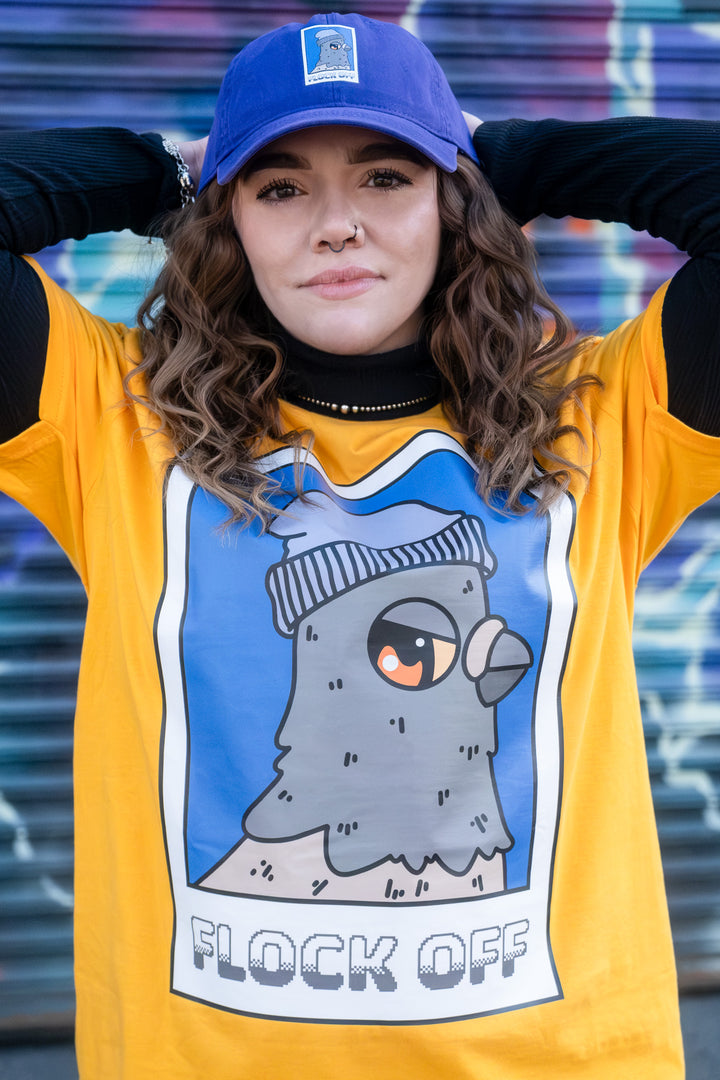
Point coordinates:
pixel 342 283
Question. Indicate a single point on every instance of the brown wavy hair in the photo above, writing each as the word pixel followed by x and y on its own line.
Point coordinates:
pixel 211 367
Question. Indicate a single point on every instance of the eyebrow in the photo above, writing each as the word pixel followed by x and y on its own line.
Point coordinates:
pixel 379 151
pixel 273 160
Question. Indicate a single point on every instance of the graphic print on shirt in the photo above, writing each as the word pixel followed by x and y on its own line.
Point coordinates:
pixel 361 755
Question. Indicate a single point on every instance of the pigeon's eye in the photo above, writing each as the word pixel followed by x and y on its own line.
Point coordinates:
pixel 413 644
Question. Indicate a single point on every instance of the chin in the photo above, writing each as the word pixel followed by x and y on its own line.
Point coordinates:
pixel 344 342
pixel 352 333
pixel 348 348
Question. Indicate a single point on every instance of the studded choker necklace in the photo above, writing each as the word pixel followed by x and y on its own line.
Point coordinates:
pixel 354 409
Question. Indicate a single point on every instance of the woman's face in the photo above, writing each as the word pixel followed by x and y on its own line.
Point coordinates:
pixel 303 195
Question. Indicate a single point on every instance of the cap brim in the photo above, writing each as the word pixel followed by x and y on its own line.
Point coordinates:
pixel 442 152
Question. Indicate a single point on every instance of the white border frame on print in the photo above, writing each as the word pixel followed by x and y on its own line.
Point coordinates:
pixel 222 941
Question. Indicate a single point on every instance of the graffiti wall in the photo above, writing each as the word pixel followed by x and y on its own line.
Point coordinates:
pixel 156 65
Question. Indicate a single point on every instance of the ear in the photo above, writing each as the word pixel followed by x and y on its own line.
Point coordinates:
pixel 496 659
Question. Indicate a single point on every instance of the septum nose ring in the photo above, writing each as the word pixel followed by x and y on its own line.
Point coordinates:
pixel 342 246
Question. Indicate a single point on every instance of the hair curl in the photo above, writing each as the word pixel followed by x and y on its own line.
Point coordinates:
pixel 501 346
pixel 211 367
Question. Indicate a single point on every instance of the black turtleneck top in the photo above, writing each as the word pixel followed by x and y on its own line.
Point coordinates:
pixel 375 387
pixel 659 175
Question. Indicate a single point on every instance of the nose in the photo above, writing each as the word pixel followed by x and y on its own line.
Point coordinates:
pixel 495 659
pixel 336 250
pixel 336 225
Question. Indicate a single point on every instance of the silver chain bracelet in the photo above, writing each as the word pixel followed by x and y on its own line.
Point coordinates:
pixel 185 183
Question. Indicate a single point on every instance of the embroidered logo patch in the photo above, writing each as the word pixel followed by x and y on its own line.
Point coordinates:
pixel 329 54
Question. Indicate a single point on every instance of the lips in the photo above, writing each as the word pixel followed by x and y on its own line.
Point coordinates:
pixel 342 283
pixel 341 275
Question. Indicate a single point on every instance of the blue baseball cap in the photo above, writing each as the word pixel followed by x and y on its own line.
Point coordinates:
pixel 336 69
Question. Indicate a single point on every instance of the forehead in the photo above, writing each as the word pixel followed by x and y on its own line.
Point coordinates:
pixel 344 142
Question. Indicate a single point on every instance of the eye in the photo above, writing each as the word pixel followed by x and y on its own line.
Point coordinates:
pixel 278 190
pixel 413 644
pixel 387 179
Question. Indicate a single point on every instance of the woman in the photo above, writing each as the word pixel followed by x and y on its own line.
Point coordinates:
pixel 360 542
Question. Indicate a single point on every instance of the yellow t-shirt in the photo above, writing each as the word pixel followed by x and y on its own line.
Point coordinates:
pixel 366 794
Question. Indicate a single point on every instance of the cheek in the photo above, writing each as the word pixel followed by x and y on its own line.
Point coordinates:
pixel 422 237
pixel 423 253
pixel 261 241
pixel 432 243
pixel 251 245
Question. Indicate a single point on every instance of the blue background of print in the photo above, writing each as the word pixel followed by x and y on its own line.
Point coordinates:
pixel 312 49
pixel 238 669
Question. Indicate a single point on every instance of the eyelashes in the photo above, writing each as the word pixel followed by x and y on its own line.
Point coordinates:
pixel 277 185
pixel 282 188
pixel 398 178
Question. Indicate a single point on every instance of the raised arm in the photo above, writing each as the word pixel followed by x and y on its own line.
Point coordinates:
pixel 654 174
pixel 57 185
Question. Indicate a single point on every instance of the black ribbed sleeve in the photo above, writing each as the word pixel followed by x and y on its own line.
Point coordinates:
pixel 67 183
pixel 659 175
pixel 56 185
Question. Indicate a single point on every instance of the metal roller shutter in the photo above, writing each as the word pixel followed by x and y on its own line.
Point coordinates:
pixel 42 609
pixel 156 66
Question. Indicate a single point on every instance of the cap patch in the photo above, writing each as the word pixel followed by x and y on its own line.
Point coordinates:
pixel 329 54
